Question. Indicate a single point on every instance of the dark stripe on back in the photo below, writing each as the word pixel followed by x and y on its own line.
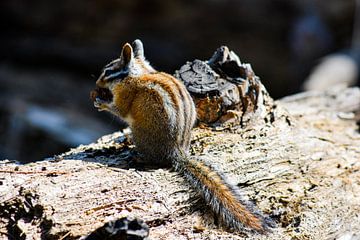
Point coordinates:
pixel 187 106
pixel 169 86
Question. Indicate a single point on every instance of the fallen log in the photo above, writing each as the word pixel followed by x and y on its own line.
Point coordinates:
pixel 297 159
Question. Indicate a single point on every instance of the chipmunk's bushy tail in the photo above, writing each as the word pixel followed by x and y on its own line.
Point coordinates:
pixel 223 198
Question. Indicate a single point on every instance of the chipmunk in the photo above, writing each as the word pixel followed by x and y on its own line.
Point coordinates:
pixel 160 113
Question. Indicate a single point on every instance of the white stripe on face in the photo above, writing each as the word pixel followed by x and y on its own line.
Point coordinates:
pixel 114 71
pixel 115 74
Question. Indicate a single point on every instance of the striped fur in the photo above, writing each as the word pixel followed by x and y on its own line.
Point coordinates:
pixel 161 113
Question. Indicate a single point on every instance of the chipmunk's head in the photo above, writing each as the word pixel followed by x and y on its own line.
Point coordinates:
pixel 131 63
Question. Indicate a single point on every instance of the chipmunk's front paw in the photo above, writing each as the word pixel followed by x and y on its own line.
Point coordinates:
pixel 101 105
pixel 102 98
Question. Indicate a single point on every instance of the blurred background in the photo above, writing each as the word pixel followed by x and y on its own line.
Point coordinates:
pixel 52 53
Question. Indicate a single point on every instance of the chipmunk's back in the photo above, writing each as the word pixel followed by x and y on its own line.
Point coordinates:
pixel 159 111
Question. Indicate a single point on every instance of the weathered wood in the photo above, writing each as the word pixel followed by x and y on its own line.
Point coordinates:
pixel 224 89
pixel 299 164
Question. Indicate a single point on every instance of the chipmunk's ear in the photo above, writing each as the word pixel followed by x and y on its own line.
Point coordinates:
pixel 126 54
pixel 138 49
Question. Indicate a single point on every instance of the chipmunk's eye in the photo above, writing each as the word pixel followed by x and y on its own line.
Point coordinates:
pixel 115 74
pixel 109 72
